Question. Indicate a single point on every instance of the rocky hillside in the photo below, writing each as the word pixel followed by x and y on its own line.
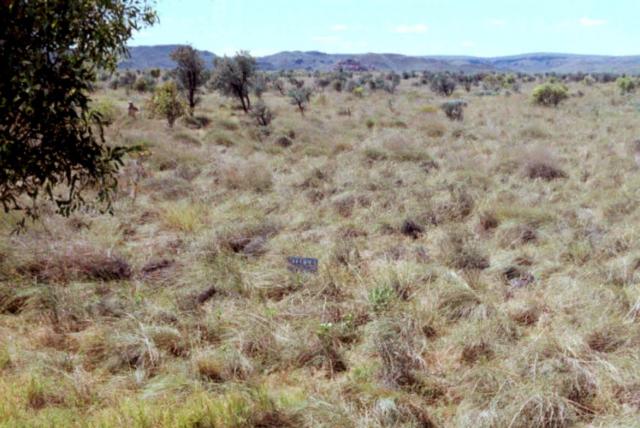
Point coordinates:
pixel 158 56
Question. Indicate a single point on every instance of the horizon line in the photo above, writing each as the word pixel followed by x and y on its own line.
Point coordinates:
pixel 397 53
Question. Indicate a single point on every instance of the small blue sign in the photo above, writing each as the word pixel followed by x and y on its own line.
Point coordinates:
pixel 303 264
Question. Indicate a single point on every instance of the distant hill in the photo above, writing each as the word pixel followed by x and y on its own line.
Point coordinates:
pixel 143 57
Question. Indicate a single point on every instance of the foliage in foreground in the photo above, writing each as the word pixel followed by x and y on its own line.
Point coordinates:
pixel 51 143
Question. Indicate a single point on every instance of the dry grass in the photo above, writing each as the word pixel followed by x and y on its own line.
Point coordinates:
pixel 476 274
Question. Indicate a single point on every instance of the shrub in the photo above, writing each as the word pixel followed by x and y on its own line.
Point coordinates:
pixel 144 84
pixel 626 85
pixel 262 114
pixel 381 297
pixel 443 85
pixel 300 97
pixel 550 94
pixel 106 110
pixel 454 109
pixel 166 103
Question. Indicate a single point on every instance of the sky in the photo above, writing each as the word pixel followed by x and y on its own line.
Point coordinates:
pixel 413 27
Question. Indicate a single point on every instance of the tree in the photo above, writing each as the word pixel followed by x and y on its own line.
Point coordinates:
pixel 300 97
pixel 166 103
pixel 233 77
pixel 51 143
pixel 189 72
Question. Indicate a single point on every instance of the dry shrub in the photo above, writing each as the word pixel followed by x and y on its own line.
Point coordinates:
pixel 12 300
pixel 458 302
pixel 249 239
pixel 487 221
pixel 458 251
pixel 410 228
pixel 606 339
pixel 472 352
pixel 344 205
pixel 394 344
pixel 456 207
pixel 222 365
pixel 629 395
pixel 323 353
pixel 246 175
pixel 540 164
pixel 517 235
pixel 403 411
pixel 539 410
pixel 167 339
pixel 75 261
pixel 526 315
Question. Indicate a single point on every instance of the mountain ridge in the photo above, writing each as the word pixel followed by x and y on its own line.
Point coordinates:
pixel 157 56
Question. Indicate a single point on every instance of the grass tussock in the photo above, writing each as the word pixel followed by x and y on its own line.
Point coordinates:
pixel 481 273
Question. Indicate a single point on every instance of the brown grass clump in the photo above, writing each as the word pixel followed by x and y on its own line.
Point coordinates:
pixel 541 165
pixel 607 339
pixel 77 261
pixel 473 352
pixel 487 221
pixel 222 365
pixel 400 361
pixel 411 228
pixel 455 208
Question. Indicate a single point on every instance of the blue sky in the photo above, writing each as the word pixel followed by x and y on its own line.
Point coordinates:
pixel 427 27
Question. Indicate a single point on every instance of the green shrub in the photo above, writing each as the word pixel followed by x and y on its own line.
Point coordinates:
pixel 167 103
pixel 144 84
pixel 380 298
pixel 626 85
pixel 550 94
pixel 106 109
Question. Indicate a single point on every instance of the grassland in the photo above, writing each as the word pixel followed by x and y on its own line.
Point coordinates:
pixel 482 273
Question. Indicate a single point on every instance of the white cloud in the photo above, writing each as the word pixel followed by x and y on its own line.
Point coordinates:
pixel 339 27
pixel 406 29
pixel 326 39
pixel 497 22
pixel 588 22
pixel 468 44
